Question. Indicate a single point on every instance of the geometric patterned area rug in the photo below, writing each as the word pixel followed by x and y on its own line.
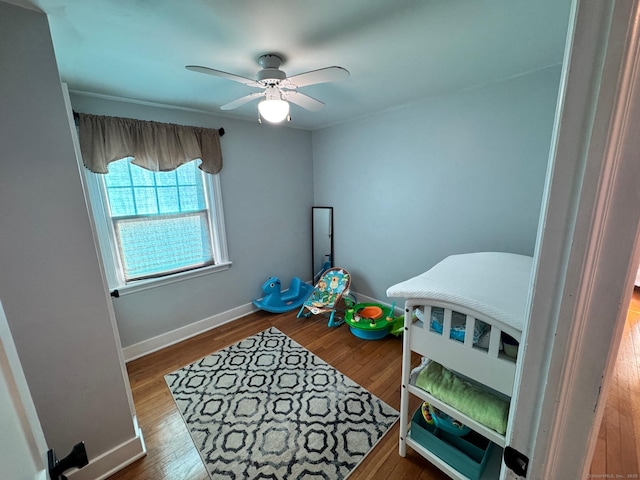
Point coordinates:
pixel 267 408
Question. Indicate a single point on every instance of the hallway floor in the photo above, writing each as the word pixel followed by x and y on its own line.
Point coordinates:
pixel 616 454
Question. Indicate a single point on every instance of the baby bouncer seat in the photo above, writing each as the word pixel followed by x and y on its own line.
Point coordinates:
pixel 327 292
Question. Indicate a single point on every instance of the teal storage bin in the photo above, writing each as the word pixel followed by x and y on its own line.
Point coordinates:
pixel 467 454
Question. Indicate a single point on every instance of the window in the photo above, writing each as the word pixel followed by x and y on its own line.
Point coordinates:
pixel 157 225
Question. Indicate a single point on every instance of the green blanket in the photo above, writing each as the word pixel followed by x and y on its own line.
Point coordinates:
pixel 485 408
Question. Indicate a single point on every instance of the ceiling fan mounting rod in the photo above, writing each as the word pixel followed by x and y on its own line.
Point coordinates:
pixel 270 73
pixel 270 60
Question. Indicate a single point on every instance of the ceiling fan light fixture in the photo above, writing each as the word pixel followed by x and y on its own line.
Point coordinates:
pixel 278 90
pixel 274 110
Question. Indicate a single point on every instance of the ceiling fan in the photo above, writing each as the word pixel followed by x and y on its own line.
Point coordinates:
pixel 277 88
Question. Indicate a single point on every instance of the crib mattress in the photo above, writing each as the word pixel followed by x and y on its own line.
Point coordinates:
pixel 495 284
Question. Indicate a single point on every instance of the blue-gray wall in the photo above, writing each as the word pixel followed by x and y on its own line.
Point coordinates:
pixel 267 195
pixel 453 174
pixel 457 173
pixel 51 285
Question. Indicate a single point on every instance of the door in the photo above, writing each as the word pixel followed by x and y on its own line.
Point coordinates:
pixel 587 246
pixel 23 449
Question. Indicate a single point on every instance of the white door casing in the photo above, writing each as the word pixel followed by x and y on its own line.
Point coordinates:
pixel 23 449
pixel 587 251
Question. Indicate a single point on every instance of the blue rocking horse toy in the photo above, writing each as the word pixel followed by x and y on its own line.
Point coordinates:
pixel 275 301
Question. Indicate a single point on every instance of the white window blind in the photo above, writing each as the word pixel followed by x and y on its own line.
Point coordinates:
pixel 160 219
pixel 157 227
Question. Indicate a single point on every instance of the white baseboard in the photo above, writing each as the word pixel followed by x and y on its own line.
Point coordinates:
pixel 360 298
pixel 110 462
pixel 164 340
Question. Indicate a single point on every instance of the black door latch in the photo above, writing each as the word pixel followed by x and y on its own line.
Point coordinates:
pixel 516 461
pixel 77 458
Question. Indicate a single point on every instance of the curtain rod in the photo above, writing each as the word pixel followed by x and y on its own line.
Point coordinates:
pixel 76 116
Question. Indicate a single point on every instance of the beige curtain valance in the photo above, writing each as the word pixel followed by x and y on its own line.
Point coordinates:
pixel 159 147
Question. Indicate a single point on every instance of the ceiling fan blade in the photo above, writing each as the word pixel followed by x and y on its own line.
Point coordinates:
pixel 305 101
pixel 241 101
pixel 323 75
pixel 221 74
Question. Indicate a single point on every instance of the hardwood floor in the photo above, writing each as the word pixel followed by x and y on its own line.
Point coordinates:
pixel 617 451
pixel 376 366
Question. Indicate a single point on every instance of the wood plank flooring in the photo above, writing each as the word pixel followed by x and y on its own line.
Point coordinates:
pixel 376 365
pixel 618 447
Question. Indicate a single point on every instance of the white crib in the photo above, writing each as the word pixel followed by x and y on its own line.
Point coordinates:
pixel 489 287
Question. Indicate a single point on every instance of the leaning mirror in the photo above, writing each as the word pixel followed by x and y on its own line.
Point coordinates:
pixel 321 240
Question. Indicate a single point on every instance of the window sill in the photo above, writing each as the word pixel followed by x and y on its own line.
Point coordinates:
pixel 141 285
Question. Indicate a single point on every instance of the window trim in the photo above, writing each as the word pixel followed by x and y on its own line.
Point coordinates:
pixel 97 192
pixel 140 285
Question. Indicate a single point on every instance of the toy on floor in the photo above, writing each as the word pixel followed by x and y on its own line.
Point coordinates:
pixel 397 326
pixel 275 301
pixel 371 321
pixel 333 284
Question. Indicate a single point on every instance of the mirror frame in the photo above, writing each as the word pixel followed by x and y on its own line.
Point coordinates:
pixel 313 236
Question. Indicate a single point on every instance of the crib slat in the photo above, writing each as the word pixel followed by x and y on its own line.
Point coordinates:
pixel 494 341
pixel 446 324
pixel 426 312
pixel 468 331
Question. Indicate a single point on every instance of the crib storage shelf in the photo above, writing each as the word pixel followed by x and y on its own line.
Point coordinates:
pixel 490 472
pixel 441 455
pixel 486 432
pixel 425 396
pixel 462 457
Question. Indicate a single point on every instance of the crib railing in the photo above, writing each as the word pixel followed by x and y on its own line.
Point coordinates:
pixel 487 366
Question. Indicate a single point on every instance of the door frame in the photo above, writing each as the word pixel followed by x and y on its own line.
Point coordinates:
pixel 24 447
pixel 587 251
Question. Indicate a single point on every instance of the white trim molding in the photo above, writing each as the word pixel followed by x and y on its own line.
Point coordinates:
pixel 24 448
pixel 603 263
pixel 145 347
pixel 112 461
pixel 588 247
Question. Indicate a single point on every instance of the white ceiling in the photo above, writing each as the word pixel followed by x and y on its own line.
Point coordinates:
pixel 398 52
